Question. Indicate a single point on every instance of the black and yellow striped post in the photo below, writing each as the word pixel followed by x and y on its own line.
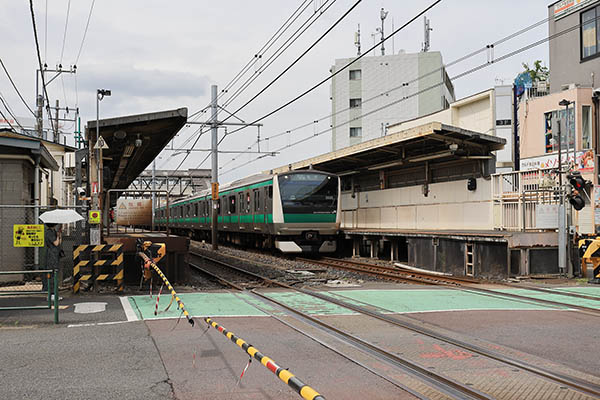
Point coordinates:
pixel 589 251
pixel 78 263
pixel 286 376
pixel 180 304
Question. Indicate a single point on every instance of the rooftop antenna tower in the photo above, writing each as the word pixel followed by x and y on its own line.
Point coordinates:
pixel 383 15
pixel 357 40
pixel 427 37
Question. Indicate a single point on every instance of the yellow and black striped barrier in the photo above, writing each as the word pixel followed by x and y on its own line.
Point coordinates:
pixel 286 376
pixel 180 304
pixel 589 251
pixel 116 250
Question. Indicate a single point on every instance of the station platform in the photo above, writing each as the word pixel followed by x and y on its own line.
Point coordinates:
pixel 143 356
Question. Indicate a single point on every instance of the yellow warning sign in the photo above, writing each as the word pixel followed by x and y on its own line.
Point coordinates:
pixel 94 217
pixel 215 191
pixel 28 235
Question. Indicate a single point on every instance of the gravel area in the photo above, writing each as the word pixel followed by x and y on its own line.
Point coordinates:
pixel 284 268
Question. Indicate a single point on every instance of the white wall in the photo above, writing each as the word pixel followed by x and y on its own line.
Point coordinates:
pixel 449 206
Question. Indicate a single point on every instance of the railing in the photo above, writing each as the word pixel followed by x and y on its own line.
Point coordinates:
pixel 517 197
pixel 18 284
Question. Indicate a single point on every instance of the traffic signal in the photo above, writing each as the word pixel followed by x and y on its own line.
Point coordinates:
pixel 579 190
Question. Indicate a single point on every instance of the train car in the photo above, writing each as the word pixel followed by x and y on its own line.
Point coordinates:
pixel 295 212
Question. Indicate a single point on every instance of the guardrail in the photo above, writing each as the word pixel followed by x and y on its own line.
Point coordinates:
pixel 23 287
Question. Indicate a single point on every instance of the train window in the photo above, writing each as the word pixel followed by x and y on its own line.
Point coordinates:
pixel 241 201
pixel 270 192
pixel 247 202
pixel 256 200
pixel 219 207
pixel 232 204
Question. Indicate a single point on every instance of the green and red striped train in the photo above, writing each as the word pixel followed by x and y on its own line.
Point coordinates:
pixel 295 212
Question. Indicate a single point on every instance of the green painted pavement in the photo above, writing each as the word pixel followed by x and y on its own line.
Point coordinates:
pixel 197 304
pixel 397 301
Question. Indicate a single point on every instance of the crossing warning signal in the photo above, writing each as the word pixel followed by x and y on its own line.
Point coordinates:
pixel 580 189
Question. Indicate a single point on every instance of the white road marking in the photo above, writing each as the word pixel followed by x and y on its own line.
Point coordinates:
pixel 96 324
pixel 129 313
pixel 89 308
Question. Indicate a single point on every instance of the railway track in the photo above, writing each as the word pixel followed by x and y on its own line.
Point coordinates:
pixel 458 283
pixel 451 387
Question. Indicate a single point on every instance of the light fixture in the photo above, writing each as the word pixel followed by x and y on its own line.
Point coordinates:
pixel 386 165
pixel 431 156
pixel 138 141
pixel 453 147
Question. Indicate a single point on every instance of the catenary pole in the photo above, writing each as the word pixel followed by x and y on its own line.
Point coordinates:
pixel 215 167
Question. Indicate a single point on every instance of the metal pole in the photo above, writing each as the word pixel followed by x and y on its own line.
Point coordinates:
pixel 562 240
pixel 56 136
pixel 383 15
pixel 153 188
pixel 215 166
pixel 36 210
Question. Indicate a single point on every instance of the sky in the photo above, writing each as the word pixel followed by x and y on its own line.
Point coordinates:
pixel 154 55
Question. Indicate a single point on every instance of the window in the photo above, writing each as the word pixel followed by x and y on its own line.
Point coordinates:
pixel 586 127
pixel 355 103
pixel 355 75
pixel 232 204
pixel 247 202
pixel 355 132
pixel 256 200
pixel 590 34
pixel 551 121
pixel 241 201
pixel 270 192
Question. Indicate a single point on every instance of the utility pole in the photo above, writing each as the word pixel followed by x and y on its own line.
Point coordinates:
pixel 214 124
pixel 562 232
pixel 40 100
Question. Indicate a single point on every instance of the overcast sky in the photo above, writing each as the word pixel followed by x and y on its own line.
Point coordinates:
pixel 155 56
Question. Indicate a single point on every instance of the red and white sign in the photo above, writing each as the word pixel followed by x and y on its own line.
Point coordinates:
pixel 94 187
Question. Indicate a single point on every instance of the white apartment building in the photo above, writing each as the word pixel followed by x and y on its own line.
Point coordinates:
pixel 417 84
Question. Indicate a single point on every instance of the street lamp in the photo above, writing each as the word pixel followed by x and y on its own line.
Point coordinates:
pixel 100 94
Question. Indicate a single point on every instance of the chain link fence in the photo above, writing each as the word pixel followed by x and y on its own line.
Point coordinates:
pixel 34 258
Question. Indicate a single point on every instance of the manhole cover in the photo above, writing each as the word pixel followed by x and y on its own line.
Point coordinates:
pixel 89 308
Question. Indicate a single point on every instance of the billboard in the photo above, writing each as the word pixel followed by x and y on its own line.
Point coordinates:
pixel 584 161
pixel 134 212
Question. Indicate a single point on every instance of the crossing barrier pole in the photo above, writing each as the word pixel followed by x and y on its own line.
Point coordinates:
pixel 283 374
pixel 180 305
pixel 55 291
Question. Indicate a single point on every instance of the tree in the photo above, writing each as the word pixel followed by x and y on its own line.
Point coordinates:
pixel 539 71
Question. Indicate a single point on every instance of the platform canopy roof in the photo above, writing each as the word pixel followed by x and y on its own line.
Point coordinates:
pixel 133 142
pixel 432 141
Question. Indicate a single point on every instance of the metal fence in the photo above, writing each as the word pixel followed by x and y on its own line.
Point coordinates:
pixel 517 198
pixel 34 258
pixel 21 291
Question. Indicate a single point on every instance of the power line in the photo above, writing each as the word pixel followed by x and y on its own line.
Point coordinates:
pixel 269 43
pixel 458 76
pixel 288 23
pixel 15 87
pixel 37 47
pixel 283 72
pixel 291 40
pixel 85 32
pixel 299 58
pixel 7 121
pixel 62 52
pixel 10 112
pixel 337 72
pixel 407 83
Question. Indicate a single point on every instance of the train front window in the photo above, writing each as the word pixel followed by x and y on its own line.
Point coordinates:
pixel 308 193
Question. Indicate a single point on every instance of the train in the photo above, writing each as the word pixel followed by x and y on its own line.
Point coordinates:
pixel 292 212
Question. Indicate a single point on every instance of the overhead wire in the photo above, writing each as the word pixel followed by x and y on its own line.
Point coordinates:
pixel 407 83
pixel 326 79
pixel 282 73
pixel 15 87
pixel 455 77
pixel 288 68
pixel 289 42
pixel 62 52
pixel 37 47
pixel 8 109
pixel 282 29
pixel 87 25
